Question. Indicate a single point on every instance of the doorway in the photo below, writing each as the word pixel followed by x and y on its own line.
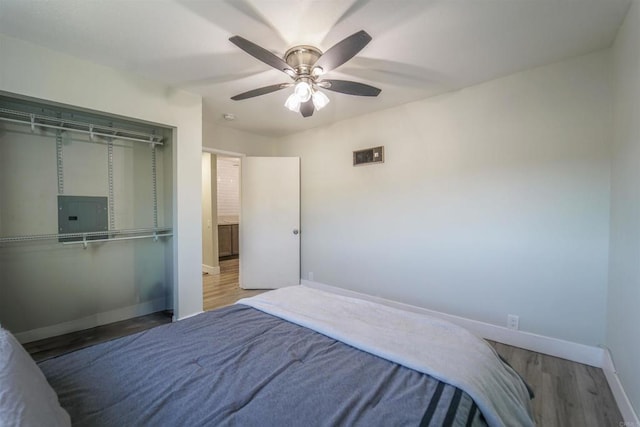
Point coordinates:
pixel 266 249
pixel 220 224
pixel 220 210
pixel 228 206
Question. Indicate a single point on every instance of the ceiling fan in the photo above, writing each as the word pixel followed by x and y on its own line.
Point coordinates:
pixel 305 65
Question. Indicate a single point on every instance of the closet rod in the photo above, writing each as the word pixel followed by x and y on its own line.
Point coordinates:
pixel 34 237
pixel 151 139
pixel 113 239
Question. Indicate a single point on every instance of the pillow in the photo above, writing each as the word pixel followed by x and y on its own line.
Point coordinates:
pixel 26 398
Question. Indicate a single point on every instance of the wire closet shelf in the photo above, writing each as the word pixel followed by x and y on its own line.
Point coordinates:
pixel 109 133
pixel 37 120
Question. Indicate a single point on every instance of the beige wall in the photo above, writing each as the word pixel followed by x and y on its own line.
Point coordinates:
pixel 215 135
pixel 623 315
pixel 492 200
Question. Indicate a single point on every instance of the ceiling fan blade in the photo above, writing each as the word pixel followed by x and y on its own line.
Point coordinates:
pixel 262 54
pixel 343 51
pixel 306 108
pixel 260 91
pixel 349 87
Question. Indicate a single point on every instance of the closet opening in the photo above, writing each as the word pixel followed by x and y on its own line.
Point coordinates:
pixel 86 218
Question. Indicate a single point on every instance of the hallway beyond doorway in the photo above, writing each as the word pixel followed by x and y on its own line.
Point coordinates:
pixel 224 289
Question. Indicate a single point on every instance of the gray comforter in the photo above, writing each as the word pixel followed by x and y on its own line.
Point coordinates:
pixel 238 366
pixel 417 341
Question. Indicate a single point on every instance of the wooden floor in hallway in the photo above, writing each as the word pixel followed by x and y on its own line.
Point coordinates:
pixel 224 289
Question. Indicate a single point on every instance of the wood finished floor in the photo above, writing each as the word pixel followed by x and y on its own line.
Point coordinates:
pixel 223 289
pixel 568 394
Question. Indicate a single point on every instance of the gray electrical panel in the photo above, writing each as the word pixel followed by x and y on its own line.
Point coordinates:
pixel 82 214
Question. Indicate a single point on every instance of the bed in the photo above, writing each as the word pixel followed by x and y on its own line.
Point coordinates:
pixel 292 357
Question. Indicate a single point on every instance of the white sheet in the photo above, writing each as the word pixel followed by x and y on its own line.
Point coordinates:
pixel 435 347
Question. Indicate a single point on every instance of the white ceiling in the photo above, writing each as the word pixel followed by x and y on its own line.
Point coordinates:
pixel 419 48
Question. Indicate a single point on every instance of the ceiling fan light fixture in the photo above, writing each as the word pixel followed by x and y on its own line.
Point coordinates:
pixel 303 90
pixel 293 103
pixel 320 100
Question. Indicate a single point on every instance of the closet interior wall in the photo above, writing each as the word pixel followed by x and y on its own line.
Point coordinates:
pixel 48 287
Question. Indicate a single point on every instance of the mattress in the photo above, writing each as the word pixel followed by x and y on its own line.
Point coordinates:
pixel 239 366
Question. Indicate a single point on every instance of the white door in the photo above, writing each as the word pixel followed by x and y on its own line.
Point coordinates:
pixel 269 222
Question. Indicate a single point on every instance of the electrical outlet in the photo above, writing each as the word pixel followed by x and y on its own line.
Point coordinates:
pixel 310 275
pixel 513 321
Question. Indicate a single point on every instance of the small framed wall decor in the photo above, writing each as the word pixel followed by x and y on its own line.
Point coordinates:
pixel 368 156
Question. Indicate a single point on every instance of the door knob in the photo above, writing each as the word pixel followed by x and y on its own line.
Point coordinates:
pixel 295 231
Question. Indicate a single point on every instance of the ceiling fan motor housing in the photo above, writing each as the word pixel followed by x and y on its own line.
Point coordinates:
pixel 301 58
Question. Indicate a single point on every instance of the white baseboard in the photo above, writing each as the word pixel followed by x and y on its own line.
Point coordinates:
pixel 97 319
pixel 188 316
pixel 210 270
pixel 576 352
pixel 624 404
